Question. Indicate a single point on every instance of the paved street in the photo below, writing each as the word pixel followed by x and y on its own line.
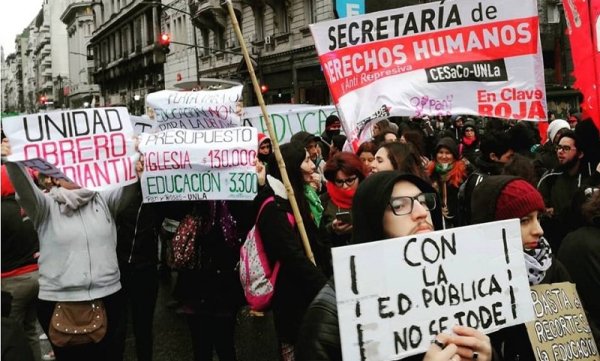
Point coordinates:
pixel 172 339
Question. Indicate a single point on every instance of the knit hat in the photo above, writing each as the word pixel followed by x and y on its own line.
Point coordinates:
pixel 555 126
pixel 331 119
pixel 517 199
pixel 262 137
pixel 449 144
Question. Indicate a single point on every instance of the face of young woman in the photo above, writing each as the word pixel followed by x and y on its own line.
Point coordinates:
pixel 308 168
pixel 531 230
pixel 382 161
pixel 345 181
pixel 443 156
pixel 417 221
pixel 367 158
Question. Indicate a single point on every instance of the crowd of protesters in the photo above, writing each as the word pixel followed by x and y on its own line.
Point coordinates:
pixel 61 243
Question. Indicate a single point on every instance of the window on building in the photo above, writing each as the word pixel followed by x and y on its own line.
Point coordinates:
pixel 219 39
pixel 259 23
pixel 205 41
pixel 310 15
pixel 281 18
pixel 150 38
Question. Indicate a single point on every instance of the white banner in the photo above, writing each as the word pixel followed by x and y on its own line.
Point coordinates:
pixel 454 57
pixel 184 165
pixel 94 148
pixel 142 124
pixel 203 109
pixel 289 119
pixel 394 296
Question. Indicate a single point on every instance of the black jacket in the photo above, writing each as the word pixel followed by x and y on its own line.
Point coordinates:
pixel 514 341
pixel 580 253
pixel 299 280
pixel 19 238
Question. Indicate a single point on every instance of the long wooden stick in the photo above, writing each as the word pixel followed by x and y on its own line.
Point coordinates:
pixel 280 162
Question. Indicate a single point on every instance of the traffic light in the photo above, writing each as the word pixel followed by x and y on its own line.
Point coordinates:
pixel 264 88
pixel 165 42
pixel 43 100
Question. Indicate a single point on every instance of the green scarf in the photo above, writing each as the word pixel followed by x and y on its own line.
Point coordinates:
pixel 443 171
pixel 314 203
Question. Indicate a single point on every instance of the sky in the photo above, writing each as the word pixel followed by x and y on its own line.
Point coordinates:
pixel 14 17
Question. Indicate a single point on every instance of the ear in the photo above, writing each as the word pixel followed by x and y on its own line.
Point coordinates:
pixel 580 155
pixel 494 157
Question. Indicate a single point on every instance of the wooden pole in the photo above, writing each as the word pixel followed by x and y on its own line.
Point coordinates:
pixel 280 162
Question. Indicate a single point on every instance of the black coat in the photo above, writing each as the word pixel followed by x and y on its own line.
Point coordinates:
pixel 19 238
pixel 580 253
pixel 514 341
pixel 299 280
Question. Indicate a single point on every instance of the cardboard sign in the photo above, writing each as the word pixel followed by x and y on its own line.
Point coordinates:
pixel 394 296
pixel 184 165
pixel 453 57
pixel 204 109
pixel 561 330
pixel 142 124
pixel 289 119
pixel 93 148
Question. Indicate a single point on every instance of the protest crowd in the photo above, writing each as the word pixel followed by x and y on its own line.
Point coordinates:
pixel 415 175
pixel 427 218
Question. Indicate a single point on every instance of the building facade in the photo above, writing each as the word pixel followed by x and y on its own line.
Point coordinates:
pixel 128 63
pixel 78 17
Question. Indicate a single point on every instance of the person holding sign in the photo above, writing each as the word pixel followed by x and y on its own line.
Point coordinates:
pixel 505 197
pixel 78 260
pixel 387 205
pixel 299 280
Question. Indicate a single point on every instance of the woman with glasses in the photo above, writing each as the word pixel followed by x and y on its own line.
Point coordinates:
pixel 447 173
pixel 343 173
pixel 387 205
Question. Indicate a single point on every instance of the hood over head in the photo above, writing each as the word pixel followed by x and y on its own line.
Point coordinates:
pixel 371 200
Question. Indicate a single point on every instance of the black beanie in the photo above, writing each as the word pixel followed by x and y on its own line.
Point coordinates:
pixel 372 198
pixel 449 144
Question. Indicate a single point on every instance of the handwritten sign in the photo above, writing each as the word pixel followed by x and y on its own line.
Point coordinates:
pixel 215 164
pixel 453 57
pixel 289 119
pixel 394 296
pixel 91 147
pixel 142 124
pixel 204 109
pixel 561 330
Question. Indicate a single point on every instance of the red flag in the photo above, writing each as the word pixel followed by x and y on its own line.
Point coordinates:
pixel 583 22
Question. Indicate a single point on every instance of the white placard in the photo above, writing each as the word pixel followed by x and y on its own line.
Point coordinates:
pixel 454 57
pixel 203 109
pixel 92 147
pixel 142 124
pixel 214 164
pixel 289 119
pixel 394 296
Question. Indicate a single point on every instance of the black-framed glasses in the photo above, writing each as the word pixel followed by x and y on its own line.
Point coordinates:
pixel 348 181
pixel 564 148
pixel 404 205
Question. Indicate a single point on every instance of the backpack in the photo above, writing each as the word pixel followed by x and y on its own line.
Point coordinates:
pixel 465 192
pixel 256 274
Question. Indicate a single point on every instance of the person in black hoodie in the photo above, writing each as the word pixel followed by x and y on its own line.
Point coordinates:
pixel 374 220
pixel 506 197
pixel 299 280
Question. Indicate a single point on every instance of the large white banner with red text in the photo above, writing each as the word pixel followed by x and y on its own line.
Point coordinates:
pixel 459 57
pixel 211 164
pixel 93 148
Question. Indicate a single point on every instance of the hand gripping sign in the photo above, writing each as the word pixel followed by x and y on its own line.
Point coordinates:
pixel 454 57
pixel 94 148
pixel 212 164
pixel 394 296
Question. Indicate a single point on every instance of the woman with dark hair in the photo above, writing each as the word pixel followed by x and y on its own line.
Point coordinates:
pixel 299 280
pixel 343 172
pixel 366 153
pixel 398 156
pixel 447 173
pixel 415 137
pixel 504 197
pixel 469 143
